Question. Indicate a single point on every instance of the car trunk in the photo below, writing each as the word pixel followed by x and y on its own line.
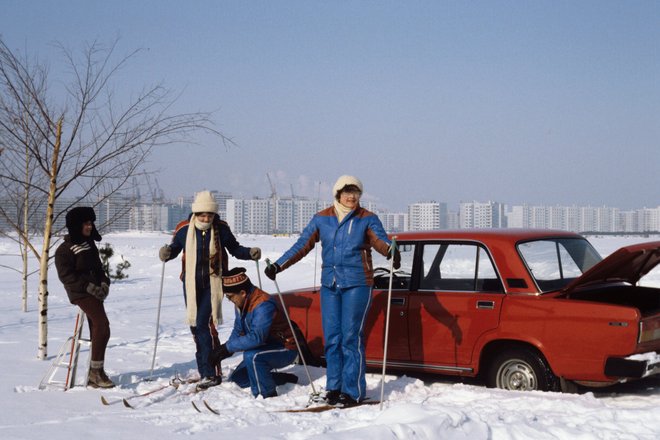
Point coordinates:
pixel 645 299
pixel 614 280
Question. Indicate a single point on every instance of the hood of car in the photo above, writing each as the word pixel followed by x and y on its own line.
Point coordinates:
pixel 627 264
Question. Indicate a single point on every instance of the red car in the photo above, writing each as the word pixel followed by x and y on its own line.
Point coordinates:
pixel 524 309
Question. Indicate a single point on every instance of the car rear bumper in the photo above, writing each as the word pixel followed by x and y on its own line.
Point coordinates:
pixel 635 366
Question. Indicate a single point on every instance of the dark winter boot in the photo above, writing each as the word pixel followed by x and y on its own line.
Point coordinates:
pixel 345 401
pixel 332 397
pixel 282 378
pixel 208 382
pixel 97 377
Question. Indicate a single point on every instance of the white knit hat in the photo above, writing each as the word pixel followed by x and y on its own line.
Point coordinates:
pixel 346 180
pixel 204 202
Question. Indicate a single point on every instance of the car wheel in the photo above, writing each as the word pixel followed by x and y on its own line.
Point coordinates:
pixel 521 369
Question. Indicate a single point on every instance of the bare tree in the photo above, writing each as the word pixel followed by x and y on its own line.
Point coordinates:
pixel 82 141
pixel 17 131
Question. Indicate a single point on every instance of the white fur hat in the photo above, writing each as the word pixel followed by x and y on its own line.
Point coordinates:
pixel 346 180
pixel 204 202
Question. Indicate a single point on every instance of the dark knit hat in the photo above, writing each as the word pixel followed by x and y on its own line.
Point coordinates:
pixel 236 280
pixel 75 219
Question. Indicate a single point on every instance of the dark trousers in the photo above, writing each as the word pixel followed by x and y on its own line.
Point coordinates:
pixel 204 334
pixel 99 326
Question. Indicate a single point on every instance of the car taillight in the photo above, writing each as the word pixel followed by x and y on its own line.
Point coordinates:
pixel 649 331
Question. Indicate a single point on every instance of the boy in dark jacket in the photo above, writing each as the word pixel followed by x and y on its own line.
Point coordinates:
pixel 87 285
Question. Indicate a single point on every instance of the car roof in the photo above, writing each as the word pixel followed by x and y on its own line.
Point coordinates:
pixel 511 235
pixel 501 244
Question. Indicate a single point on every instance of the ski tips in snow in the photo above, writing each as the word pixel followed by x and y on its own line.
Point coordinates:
pixel 213 410
pixel 206 404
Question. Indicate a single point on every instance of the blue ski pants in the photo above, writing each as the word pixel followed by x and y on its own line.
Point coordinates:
pixel 255 368
pixel 343 315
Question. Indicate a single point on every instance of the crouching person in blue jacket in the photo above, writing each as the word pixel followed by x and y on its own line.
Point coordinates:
pixel 261 332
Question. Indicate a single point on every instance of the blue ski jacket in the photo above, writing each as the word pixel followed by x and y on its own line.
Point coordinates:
pixel 259 322
pixel 346 246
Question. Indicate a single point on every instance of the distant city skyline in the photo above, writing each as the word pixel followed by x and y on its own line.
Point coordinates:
pixel 454 207
pixel 290 215
pixel 546 101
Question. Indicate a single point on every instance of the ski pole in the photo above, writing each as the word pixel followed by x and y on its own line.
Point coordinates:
pixel 160 300
pixel 387 320
pixel 295 338
pixel 258 274
pixel 316 254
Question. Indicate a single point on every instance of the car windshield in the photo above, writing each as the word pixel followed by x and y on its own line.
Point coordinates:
pixel 553 263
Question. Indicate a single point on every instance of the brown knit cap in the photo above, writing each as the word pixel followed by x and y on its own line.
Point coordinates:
pixel 235 280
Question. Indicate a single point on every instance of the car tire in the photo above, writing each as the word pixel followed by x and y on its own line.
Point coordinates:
pixel 521 369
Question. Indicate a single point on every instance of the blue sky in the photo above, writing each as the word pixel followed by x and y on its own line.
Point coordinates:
pixel 548 102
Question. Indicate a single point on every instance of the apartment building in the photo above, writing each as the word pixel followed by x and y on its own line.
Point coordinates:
pixel 290 215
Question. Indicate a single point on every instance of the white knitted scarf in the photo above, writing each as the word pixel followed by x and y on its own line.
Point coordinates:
pixel 215 278
pixel 341 211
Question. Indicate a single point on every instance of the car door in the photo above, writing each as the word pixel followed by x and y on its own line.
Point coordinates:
pixel 459 298
pixel 398 344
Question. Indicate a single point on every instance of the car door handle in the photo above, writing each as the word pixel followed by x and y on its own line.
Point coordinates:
pixel 398 301
pixel 488 305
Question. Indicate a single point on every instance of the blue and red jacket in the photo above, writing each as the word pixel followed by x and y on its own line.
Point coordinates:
pixel 259 322
pixel 346 246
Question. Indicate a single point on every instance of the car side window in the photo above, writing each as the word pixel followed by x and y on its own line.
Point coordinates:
pixel 401 278
pixel 554 263
pixel 458 267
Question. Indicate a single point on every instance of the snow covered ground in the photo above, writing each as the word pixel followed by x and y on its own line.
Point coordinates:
pixel 431 409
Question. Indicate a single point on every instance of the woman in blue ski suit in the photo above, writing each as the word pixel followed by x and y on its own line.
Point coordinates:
pixel 347 233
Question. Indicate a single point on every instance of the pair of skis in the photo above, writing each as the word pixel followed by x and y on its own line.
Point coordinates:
pixel 175 383
pixel 310 409
pixel 326 407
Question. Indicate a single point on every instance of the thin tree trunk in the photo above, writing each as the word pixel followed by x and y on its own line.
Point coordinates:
pixel 43 269
pixel 24 251
pixel 26 226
